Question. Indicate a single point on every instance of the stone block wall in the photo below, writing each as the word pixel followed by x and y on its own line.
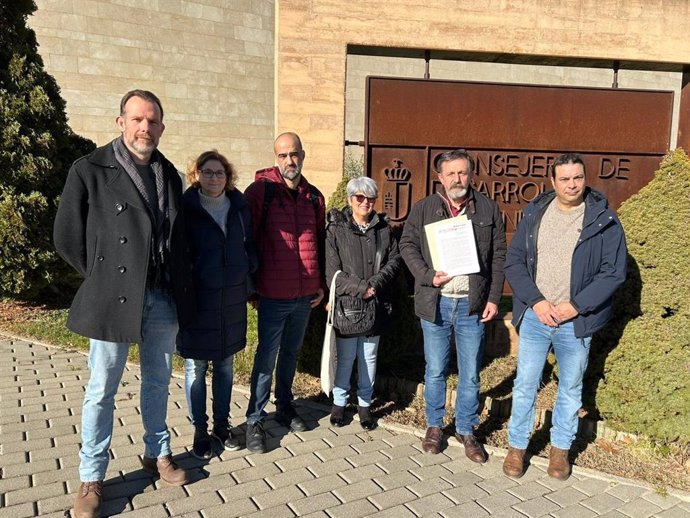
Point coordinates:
pixel 211 62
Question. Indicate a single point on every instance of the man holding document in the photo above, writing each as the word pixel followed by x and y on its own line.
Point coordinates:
pixel 454 245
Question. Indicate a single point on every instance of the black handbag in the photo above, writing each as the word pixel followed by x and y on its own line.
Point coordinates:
pixel 354 316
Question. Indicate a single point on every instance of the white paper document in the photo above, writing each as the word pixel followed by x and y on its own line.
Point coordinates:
pixel 452 246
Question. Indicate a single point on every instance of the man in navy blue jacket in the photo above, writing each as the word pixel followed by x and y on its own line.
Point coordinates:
pixel 566 260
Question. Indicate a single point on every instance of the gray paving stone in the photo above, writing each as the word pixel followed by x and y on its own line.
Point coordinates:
pixel 392 498
pixel 301 461
pixel 277 497
pixel 602 503
pixel 430 504
pixel 496 484
pixel 673 512
pixel 430 472
pixel 239 507
pixel 374 457
pixel 158 496
pixel 339 452
pixel 566 497
pixel 246 490
pixel 574 511
pixel 367 472
pixel 663 501
pixel 322 485
pixel 357 491
pixel 371 446
pixel 281 511
pixel 399 511
pixel 17 511
pixel 29 468
pixel 156 511
pixel 462 478
pixel 613 514
pixel 353 509
pixel 395 480
pixel 497 501
pixel 289 478
pixel 639 508
pixel 33 494
pixel 590 486
pixel 466 510
pixel 301 448
pixel 397 464
pixel 329 468
pixel 428 487
pixel 193 503
pixel 529 491
pixel 53 504
pixel 255 473
pixel 427 459
pixel 14 483
pixel 314 503
pixel 465 493
pixel 536 506
pixel 627 492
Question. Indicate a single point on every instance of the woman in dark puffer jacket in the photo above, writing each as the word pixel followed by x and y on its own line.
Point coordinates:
pixel 351 243
pixel 219 233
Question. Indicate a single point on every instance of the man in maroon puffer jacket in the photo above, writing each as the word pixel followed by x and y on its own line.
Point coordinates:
pixel 289 221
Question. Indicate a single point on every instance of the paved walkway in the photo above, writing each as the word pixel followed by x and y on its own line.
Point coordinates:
pixel 325 472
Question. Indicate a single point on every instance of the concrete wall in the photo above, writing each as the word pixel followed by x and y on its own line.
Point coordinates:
pixel 312 41
pixel 211 62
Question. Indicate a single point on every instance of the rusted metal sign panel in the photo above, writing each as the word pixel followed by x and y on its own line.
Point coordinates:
pixel 514 132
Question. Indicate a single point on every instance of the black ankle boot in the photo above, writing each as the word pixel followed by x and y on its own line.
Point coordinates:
pixel 338 416
pixel 365 419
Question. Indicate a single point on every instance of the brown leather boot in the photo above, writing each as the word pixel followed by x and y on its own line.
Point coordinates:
pixel 432 440
pixel 473 449
pixel 166 468
pixel 514 464
pixel 87 503
pixel 559 466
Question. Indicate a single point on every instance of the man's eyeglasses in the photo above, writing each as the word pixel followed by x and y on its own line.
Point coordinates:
pixel 210 173
pixel 360 198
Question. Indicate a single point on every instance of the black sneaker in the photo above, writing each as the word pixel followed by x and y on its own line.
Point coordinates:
pixel 221 431
pixel 288 417
pixel 201 448
pixel 256 437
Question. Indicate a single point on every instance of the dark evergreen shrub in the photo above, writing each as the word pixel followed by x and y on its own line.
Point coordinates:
pixel 645 386
pixel 37 148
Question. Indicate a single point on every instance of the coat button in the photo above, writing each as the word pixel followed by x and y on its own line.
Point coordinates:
pixel 121 269
pixel 123 240
pixel 119 207
pixel 101 258
pixel 122 300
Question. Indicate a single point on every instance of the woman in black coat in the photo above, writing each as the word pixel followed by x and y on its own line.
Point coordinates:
pixel 219 233
pixel 351 246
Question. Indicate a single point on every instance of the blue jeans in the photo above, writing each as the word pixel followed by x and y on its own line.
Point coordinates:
pixel 195 389
pixel 452 316
pixel 572 355
pixel 282 324
pixel 364 349
pixel 107 362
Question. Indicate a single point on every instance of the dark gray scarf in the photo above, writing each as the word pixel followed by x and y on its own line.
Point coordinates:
pixel 161 236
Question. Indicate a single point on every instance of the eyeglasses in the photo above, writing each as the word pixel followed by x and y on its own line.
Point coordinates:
pixel 210 173
pixel 360 198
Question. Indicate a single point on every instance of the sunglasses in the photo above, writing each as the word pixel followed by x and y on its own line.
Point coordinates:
pixel 360 198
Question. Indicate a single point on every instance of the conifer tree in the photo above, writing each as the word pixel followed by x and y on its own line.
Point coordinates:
pixel 37 148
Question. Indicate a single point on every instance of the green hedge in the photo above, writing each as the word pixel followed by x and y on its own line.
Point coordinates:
pixel 644 355
pixel 37 148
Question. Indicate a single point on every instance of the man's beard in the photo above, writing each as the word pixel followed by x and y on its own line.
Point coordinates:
pixel 457 192
pixel 291 174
